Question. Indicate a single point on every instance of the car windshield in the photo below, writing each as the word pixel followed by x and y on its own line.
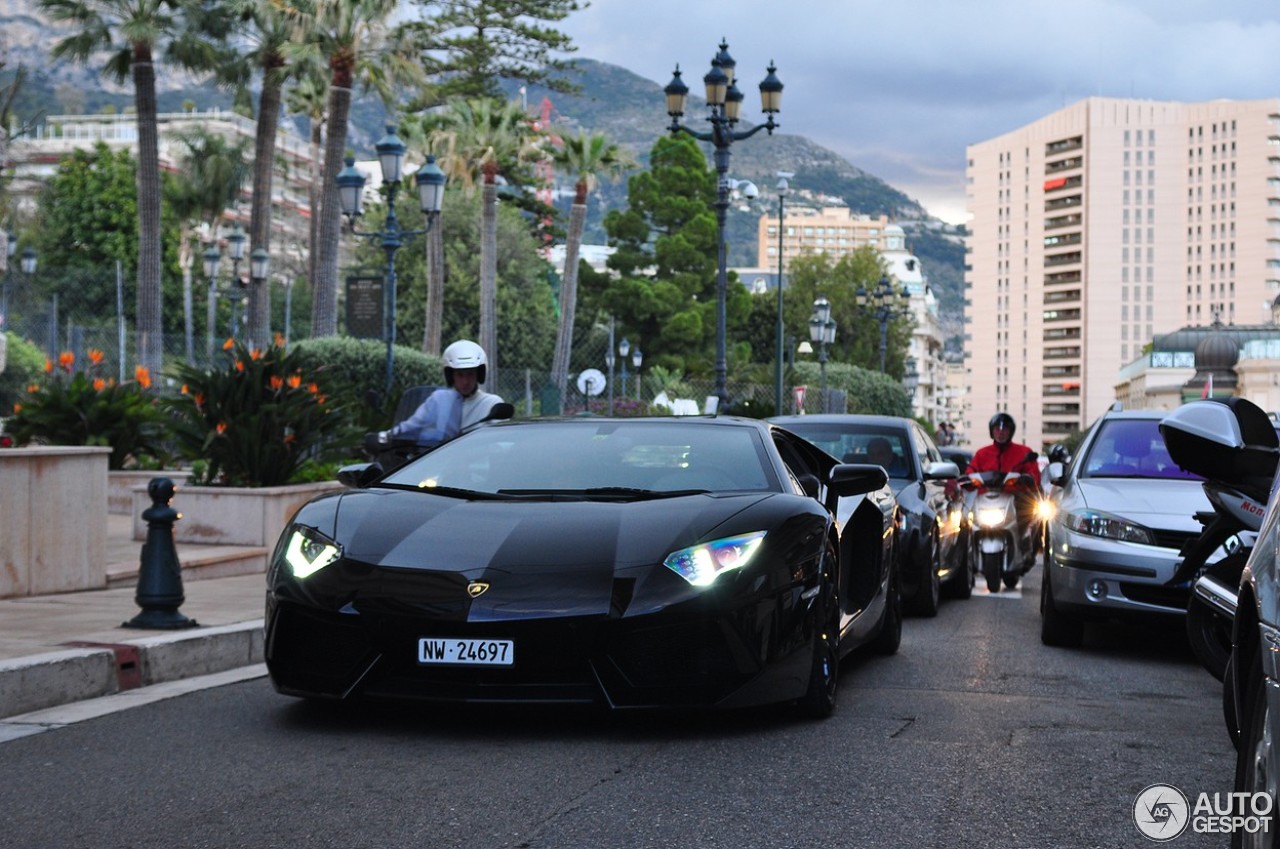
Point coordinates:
pixel 1132 448
pixel 596 458
pixel 859 443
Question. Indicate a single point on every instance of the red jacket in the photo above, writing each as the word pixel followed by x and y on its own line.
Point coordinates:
pixel 1009 457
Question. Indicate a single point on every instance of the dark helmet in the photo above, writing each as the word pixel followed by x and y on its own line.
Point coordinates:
pixel 464 354
pixel 1002 419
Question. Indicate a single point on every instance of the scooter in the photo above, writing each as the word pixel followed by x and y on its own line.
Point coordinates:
pixel 391 454
pixel 1233 444
pixel 998 547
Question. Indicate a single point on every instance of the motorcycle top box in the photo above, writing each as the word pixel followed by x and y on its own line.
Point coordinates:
pixel 1230 439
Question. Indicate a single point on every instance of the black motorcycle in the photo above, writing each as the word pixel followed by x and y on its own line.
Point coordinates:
pixel 1232 444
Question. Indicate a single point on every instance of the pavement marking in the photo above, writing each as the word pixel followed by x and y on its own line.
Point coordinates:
pixel 26 724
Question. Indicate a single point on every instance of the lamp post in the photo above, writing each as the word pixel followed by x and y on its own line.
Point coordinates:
pixel 624 348
pixel 822 331
pixel 724 101
pixel 430 181
pixel 911 380
pixel 886 304
pixel 11 248
pixel 636 359
pixel 777 375
pixel 259 265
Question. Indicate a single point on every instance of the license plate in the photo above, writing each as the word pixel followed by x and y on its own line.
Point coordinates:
pixel 458 652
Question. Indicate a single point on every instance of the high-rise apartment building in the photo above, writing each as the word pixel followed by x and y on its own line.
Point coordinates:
pixel 1101 225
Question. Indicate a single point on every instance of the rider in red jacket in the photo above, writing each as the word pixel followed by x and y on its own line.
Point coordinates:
pixel 1003 454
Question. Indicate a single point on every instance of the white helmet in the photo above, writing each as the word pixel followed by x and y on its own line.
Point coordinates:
pixel 464 354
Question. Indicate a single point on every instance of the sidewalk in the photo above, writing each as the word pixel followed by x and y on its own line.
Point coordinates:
pixel 58 649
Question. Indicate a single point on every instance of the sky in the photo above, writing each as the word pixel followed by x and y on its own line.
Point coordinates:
pixel 901 88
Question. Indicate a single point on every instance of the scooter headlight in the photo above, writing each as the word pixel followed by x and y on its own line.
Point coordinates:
pixel 1045 510
pixel 991 517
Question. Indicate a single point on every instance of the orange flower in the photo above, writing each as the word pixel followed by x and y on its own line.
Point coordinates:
pixel 313 388
pixel 277 382
pixel 185 391
pixel 17 408
pixel 143 377
pixel 66 360
pixel 199 400
pixel 239 365
pixel 255 354
pixel 95 356
pixel 229 344
pixel 33 388
pixel 295 381
pixel 222 427
pixel 48 365
pixel 279 340
pixel 290 438
pixel 99 384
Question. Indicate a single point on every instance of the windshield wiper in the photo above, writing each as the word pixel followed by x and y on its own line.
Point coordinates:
pixel 448 492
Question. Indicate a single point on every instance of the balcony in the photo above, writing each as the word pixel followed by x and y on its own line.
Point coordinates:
pixel 1061 315
pixel 1070 164
pixel 1059 277
pixel 1051 372
pixel 1060 410
pixel 1071 353
pixel 1060 184
pixel 1071 296
pixel 1052 204
pixel 1069 258
pixel 1073 220
pixel 1062 240
pixel 1060 334
pixel 1064 145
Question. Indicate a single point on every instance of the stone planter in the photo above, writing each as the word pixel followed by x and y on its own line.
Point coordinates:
pixel 120 487
pixel 226 515
pixel 52 524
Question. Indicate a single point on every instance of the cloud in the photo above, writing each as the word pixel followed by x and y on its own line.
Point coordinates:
pixel 900 89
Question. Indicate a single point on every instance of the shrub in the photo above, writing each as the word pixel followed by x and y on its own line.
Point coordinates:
pixel 350 369
pixel 78 407
pixel 256 418
pixel 24 364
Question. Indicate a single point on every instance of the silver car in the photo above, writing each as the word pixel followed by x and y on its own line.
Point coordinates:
pixel 1124 512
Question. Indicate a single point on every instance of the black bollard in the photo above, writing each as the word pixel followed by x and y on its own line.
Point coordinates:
pixel 160 574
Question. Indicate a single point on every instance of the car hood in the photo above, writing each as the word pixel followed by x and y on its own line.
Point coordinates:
pixel 1167 504
pixel 543 558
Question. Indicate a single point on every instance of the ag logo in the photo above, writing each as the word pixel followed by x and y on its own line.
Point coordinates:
pixel 1161 812
pixel 475 589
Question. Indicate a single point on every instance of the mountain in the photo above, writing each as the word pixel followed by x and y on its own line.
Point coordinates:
pixel 628 108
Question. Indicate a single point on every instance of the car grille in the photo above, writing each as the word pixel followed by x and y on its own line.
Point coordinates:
pixel 1172 539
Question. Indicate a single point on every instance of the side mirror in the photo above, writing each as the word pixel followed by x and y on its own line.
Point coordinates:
pixel 857 478
pixel 501 410
pixel 811 485
pixel 1056 472
pixel 359 475
pixel 941 471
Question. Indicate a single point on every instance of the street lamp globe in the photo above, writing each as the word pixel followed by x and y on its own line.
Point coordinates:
pixel 351 189
pixel 430 180
pixel 212 259
pixel 259 263
pixel 390 151
pixel 28 260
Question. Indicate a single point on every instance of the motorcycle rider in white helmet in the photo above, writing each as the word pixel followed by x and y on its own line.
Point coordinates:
pixel 462 404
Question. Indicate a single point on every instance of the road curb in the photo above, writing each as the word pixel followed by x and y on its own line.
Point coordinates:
pixel 88 671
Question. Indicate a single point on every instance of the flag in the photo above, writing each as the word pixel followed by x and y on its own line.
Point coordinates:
pixel 1207 392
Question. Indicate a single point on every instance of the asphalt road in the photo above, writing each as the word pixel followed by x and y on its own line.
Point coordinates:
pixel 974 735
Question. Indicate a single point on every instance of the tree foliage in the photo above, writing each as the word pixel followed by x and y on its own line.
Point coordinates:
pixel 470 46
pixel 666 253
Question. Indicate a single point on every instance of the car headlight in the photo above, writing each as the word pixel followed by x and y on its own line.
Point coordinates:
pixel 702 564
pixel 1099 524
pixel 991 517
pixel 1045 509
pixel 308 551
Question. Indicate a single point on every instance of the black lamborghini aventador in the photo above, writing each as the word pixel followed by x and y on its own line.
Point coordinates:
pixel 674 562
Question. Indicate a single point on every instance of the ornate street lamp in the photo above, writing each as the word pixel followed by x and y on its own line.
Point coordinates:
pixel 430 181
pixel 886 304
pixel 822 331
pixel 911 380
pixel 724 102
pixel 624 348
pixel 636 359
pixel 777 375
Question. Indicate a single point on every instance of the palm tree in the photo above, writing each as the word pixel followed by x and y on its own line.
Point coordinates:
pixel 355 39
pixel 308 96
pixel 262 31
pixel 129 31
pixel 587 158
pixel 211 173
pixel 492 137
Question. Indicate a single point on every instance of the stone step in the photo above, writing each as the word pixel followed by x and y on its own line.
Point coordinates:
pixel 198 562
